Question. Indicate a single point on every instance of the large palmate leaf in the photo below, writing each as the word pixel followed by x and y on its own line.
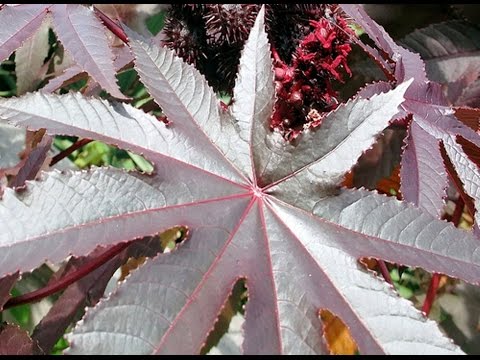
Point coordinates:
pixel 451 52
pixel 257 208
pixel 77 28
pixel 423 175
pixel 450 49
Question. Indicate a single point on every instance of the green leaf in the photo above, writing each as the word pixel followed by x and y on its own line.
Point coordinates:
pixel 155 22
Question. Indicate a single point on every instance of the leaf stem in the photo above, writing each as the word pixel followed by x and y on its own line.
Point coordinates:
pixel 435 281
pixel 111 25
pixel 457 214
pixel 67 280
pixel 76 145
pixel 431 294
pixel 384 271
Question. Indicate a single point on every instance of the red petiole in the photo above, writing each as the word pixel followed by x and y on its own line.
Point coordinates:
pixel 111 25
pixel 76 145
pixel 67 280
pixel 435 281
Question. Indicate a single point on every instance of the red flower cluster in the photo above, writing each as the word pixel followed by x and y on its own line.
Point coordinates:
pixel 304 88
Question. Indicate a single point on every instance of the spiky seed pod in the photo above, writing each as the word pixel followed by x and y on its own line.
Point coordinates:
pixel 227 28
pixel 229 23
pixel 185 33
pixel 178 37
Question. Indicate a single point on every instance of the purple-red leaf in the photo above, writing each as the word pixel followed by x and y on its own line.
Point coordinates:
pixel 407 64
pixel 469 116
pixel 29 59
pixel 83 35
pixel 117 124
pixel 69 71
pixel 32 164
pixel 423 176
pixel 14 341
pixel 337 149
pixel 403 224
pixel 18 24
pixel 6 284
pixel 445 45
pixel 57 82
pixel 86 291
pixel 374 88
pixel 450 49
pixel 254 97
pixel 424 179
pixel 339 236
pixel 77 28
pixel 257 208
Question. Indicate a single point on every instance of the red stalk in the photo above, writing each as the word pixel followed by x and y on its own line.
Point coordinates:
pixel 434 282
pixel 67 280
pixel 76 145
pixel 431 294
pixel 111 25
pixel 384 271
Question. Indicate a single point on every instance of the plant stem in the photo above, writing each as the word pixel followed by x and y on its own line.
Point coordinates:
pixel 111 25
pixel 67 280
pixel 431 294
pixel 457 214
pixel 384 271
pixel 462 195
pixel 434 282
pixel 76 145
